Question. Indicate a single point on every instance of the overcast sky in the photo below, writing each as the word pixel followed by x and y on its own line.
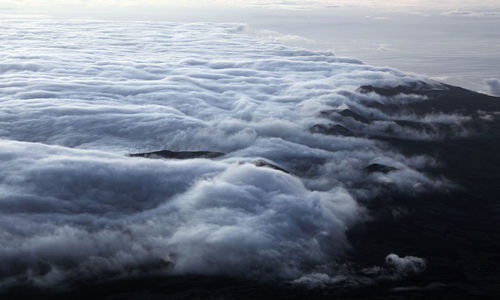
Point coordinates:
pixel 148 8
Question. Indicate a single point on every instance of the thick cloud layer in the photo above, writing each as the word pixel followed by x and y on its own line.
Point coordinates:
pixel 72 212
pixel 76 96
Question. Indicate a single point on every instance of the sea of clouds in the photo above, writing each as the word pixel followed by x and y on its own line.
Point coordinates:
pixel 77 96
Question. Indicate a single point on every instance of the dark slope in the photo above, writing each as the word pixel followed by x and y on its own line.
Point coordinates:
pixel 457 232
pixel 178 154
pixel 442 98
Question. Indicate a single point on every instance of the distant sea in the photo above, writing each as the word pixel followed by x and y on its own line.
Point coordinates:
pixel 459 49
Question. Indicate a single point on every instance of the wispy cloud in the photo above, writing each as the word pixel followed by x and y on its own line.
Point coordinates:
pixel 494 85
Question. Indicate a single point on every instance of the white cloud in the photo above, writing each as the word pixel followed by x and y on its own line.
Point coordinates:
pixel 282 38
pixel 407 265
pixel 83 212
pixel 76 95
pixel 471 13
pixel 395 268
pixel 494 85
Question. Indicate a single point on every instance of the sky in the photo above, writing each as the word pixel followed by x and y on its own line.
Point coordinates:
pixel 112 7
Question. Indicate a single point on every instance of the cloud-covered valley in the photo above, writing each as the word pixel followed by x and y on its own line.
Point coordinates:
pixel 76 97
